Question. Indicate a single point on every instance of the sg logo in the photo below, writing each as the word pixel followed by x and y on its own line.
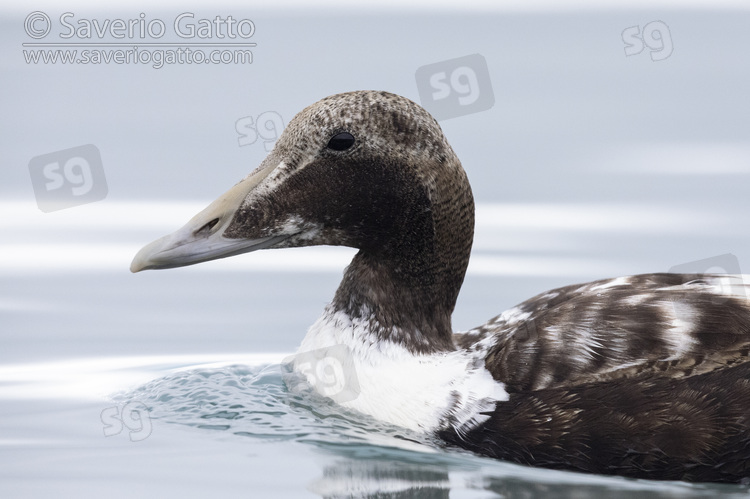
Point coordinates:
pixel 728 281
pixel 268 127
pixel 463 81
pixel 455 87
pixel 330 371
pixel 655 36
pixel 134 416
pixel 67 178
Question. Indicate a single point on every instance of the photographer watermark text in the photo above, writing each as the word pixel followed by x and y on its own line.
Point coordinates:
pixel 183 39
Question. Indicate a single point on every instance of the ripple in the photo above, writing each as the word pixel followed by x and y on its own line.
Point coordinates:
pixel 372 459
pixel 254 402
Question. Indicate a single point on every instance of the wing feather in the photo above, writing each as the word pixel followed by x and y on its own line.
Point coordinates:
pixel 676 325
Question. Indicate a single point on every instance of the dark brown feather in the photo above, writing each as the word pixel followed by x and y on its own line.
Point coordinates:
pixel 659 427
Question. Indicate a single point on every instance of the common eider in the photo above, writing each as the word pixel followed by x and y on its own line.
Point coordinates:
pixel 644 376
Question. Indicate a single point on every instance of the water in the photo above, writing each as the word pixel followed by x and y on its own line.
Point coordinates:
pixel 363 457
pixel 591 164
pixel 234 429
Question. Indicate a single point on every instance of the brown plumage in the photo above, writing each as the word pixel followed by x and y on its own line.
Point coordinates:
pixel 644 376
pixel 654 426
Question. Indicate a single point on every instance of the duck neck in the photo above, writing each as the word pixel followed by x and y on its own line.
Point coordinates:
pixel 405 287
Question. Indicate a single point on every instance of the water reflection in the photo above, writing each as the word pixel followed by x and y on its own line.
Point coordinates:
pixel 473 477
pixel 382 479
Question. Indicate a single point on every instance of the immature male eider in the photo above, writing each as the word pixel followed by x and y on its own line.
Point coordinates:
pixel 645 376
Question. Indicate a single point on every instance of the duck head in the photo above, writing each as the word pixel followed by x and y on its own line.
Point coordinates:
pixel 369 170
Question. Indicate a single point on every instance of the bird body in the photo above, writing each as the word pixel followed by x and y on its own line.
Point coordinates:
pixel 643 376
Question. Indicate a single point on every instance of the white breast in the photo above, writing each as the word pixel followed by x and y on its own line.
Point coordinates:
pixel 344 360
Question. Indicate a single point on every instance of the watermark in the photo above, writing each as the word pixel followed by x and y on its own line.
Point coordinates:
pixel 330 371
pixel 727 281
pixel 655 36
pixel 267 126
pixel 68 178
pixel 157 58
pixel 134 416
pixel 455 87
pixel 527 331
pixel 183 39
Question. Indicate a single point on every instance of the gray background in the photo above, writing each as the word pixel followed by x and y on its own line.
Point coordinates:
pixel 590 164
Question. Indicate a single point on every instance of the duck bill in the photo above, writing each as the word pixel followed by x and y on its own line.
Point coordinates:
pixel 202 238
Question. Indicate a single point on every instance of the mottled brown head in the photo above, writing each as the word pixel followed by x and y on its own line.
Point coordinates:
pixel 370 170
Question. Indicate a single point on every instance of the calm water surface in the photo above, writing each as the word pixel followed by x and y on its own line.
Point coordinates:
pixel 590 164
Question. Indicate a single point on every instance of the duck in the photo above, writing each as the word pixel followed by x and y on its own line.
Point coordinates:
pixel 645 376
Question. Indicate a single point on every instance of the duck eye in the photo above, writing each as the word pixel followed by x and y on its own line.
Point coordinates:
pixel 341 141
